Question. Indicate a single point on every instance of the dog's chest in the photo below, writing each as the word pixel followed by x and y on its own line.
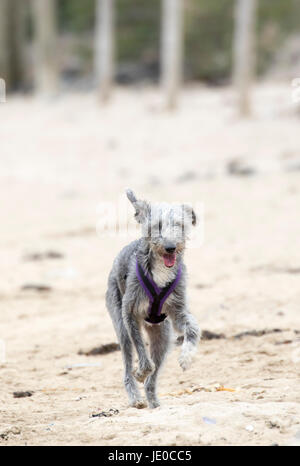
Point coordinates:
pixel 162 275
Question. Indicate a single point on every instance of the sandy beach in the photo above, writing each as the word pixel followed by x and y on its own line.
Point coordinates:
pixel 60 160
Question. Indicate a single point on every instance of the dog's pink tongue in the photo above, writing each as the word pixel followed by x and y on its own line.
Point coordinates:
pixel 169 259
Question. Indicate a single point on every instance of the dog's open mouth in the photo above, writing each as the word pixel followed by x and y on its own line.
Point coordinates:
pixel 169 259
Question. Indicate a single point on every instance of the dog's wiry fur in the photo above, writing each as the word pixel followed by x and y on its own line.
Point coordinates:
pixel 164 228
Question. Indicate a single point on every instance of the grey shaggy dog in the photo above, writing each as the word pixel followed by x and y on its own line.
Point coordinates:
pixel 159 252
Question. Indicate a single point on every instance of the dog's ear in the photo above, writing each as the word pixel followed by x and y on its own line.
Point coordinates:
pixel 142 208
pixel 189 213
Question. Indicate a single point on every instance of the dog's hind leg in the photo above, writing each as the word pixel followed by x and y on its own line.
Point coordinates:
pixel 159 336
pixel 114 305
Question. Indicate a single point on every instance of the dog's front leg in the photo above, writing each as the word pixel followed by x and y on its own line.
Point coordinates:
pixel 145 367
pixel 184 322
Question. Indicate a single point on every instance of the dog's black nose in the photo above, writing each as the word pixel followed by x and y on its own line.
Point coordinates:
pixel 170 249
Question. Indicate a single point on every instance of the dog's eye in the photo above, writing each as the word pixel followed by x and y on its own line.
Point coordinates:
pixel 180 227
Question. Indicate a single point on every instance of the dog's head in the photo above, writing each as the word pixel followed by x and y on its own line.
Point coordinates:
pixel 164 226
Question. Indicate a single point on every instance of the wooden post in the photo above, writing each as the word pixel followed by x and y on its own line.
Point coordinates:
pixel 244 52
pixel 104 47
pixel 4 41
pixel 45 30
pixel 171 50
pixel 12 42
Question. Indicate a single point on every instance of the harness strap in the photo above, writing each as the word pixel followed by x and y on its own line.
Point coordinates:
pixel 157 296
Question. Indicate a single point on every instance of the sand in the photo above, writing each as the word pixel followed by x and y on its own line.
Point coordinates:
pixel 60 160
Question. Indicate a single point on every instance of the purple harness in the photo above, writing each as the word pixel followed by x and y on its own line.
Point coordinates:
pixel 157 296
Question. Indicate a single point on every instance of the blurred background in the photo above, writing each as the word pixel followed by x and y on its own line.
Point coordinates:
pixel 183 101
pixel 62 36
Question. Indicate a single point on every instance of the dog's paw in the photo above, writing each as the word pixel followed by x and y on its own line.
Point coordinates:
pixel 141 375
pixel 139 404
pixel 186 356
pixel 142 372
pixel 154 404
pixel 185 362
